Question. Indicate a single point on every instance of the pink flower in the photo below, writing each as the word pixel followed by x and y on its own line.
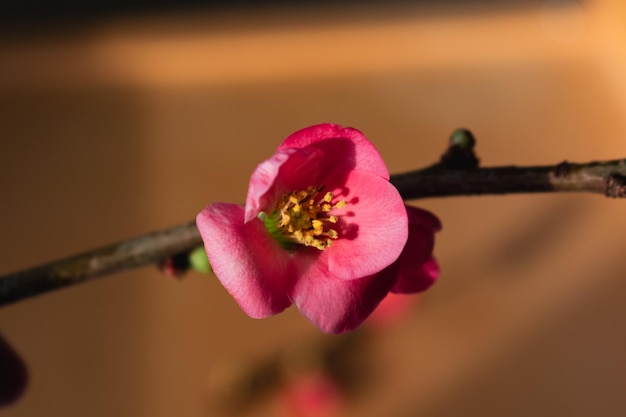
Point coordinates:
pixel 322 228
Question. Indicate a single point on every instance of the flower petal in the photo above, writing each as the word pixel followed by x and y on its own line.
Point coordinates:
pixel 251 265
pixel 423 218
pixel 287 170
pixel 372 228
pixel 418 270
pixel 350 149
pixel 418 279
pixel 336 305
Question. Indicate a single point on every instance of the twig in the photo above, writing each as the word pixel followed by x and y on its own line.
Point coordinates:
pixel 132 253
pixel 606 177
pixel 456 174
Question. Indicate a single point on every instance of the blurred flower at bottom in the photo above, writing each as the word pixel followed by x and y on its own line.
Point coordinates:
pixel 308 395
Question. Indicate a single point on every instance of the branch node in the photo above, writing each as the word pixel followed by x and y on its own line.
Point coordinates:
pixel 562 170
pixel 616 186
pixel 460 154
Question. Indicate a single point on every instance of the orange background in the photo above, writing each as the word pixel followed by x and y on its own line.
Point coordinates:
pixel 124 126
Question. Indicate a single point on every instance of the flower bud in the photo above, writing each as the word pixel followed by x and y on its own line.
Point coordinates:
pixel 199 261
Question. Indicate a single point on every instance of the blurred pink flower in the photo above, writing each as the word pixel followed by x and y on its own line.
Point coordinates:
pixel 312 395
pixel 391 309
pixel 322 228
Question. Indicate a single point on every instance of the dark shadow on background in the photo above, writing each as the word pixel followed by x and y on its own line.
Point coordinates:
pixel 537 236
pixel 23 17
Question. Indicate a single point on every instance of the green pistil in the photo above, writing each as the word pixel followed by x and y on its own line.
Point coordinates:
pixel 271 222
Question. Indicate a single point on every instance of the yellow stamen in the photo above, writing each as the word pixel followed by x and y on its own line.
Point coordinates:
pixel 301 217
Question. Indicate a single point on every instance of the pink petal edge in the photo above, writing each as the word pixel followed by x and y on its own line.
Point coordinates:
pixel 335 305
pixel 252 266
pixel 375 229
pixel 416 269
pixel 365 155
pixel 418 280
pixel 287 170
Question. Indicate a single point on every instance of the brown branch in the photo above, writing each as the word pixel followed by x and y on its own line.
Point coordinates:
pixel 447 178
pixel 607 177
pixel 132 253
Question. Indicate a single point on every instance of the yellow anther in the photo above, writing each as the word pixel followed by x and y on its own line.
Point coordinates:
pixel 301 217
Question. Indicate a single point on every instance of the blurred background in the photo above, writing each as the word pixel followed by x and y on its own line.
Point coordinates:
pixel 119 118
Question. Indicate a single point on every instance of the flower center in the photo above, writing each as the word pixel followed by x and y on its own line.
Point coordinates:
pixel 302 217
